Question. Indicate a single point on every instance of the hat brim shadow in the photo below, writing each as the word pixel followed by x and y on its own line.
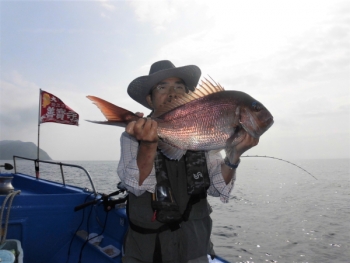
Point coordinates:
pixel 140 87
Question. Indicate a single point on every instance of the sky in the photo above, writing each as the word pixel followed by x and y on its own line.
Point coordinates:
pixel 293 56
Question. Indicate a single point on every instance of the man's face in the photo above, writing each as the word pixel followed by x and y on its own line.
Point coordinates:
pixel 165 92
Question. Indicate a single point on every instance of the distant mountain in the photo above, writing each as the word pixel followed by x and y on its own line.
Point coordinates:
pixel 24 149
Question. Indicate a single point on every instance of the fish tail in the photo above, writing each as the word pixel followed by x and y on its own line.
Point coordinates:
pixel 113 113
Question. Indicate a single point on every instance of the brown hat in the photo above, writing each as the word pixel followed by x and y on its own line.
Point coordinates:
pixel 140 87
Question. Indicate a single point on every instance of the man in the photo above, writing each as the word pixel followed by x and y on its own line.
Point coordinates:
pixel 169 214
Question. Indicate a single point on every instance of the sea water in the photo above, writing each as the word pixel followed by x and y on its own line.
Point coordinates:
pixel 276 213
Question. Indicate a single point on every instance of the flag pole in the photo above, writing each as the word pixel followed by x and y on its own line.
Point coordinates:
pixel 37 162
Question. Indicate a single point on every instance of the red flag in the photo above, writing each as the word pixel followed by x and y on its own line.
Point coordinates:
pixel 52 109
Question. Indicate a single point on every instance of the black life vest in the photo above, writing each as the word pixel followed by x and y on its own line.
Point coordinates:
pixel 165 206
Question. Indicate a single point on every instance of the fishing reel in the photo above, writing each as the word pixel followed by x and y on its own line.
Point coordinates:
pixel 108 202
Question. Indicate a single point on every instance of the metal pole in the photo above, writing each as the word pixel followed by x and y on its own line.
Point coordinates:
pixel 64 181
pixel 14 163
pixel 37 173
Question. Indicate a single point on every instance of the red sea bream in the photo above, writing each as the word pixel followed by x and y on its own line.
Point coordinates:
pixel 209 118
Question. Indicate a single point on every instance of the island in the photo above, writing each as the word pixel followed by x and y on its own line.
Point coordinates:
pixel 10 148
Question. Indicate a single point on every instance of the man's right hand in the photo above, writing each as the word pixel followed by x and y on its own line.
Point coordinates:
pixel 144 129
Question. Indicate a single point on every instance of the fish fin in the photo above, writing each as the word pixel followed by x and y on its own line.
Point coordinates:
pixel 202 90
pixel 211 87
pixel 113 113
pixel 114 123
pixel 170 151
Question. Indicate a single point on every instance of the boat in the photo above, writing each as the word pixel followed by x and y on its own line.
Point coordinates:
pixel 52 222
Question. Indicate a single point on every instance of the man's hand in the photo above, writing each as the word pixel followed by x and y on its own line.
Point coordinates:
pixel 144 129
pixel 235 153
pixel 247 143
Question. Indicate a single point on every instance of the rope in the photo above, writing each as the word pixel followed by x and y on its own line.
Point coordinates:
pixel 279 160
pixel 10 196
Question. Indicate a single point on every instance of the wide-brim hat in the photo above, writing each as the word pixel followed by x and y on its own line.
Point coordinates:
pixel 140 87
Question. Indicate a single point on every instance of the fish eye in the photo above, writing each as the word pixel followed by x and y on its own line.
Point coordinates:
pixel 257 106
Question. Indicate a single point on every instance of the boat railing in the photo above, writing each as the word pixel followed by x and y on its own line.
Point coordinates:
pixel 37 161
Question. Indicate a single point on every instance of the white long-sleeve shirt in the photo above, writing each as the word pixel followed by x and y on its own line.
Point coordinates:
pixel 128 171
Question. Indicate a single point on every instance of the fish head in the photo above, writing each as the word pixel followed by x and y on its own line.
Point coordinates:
pixel 255 117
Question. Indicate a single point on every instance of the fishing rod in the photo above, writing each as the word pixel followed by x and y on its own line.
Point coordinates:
pixel 264 156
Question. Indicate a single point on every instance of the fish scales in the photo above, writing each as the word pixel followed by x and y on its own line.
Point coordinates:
pixel 196 129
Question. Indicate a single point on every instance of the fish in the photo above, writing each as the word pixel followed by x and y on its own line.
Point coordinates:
pixel 209 118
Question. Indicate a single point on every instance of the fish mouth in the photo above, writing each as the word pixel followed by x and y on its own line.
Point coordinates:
pixel 265 125
pixel 255 126
pixel 270 122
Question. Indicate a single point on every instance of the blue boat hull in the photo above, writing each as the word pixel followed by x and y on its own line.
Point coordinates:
pixel 42 217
